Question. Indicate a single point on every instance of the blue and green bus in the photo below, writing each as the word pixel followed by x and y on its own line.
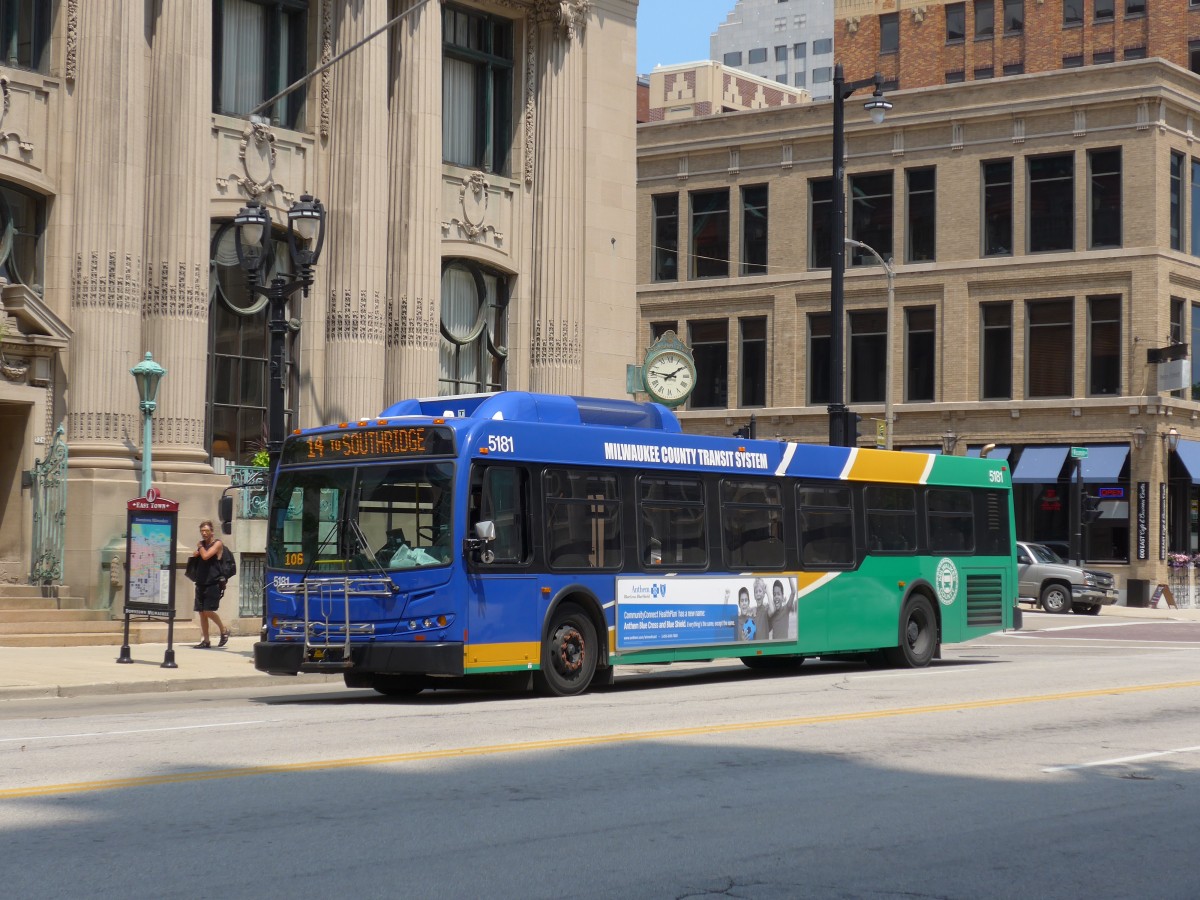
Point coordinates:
pixel 562 536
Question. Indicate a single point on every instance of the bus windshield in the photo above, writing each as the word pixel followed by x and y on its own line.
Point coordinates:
pixel 362 518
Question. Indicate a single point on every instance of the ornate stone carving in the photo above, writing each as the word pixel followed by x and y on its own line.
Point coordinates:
pixel 326 55
pixel 473 199
pixel 72 60
pixel 569 15
pixel 179 297
pixel 348 320
pixel 416 325
pixel 257 156
pixel 564 350
pixel 852 23
pixel 919 13
pixel 119 293
pixel 530 102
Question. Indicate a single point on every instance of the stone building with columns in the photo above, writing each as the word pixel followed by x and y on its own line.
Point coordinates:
pixel 477 164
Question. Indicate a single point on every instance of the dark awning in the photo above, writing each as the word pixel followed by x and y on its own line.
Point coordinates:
pixel 1189 454
pixel 997 452
pixel 1103 465
pixel 1039 465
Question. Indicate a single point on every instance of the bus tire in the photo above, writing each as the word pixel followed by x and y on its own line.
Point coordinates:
pixel 398 685
pixel 918 635
pixel 569 653
pixel 778 663
pixel 1056 598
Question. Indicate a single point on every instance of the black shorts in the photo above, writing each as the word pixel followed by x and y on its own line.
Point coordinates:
pixel 208 596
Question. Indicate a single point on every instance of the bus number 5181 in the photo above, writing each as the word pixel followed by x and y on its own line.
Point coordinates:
pixel 501 443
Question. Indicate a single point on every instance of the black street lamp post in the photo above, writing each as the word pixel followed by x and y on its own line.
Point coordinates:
pixel 840 432
pixel 306 234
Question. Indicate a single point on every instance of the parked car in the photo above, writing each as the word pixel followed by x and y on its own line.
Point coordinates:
pixel 1044 578
pixel 1062 548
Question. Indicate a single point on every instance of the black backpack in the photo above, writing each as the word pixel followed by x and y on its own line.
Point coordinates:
pixel 228 564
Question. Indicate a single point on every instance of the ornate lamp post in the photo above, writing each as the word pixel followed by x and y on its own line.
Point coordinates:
pixel 306 235
pixel 839 432
pixel 147 374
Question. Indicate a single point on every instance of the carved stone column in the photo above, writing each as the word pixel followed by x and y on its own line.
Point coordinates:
pixel 414 238
pixel 108 209
pixel 175 311
pixel 355 259
pixel 558 234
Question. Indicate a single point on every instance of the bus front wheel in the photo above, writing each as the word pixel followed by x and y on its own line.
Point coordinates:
pixel 918 635
pixel 569 653
pixel 398 685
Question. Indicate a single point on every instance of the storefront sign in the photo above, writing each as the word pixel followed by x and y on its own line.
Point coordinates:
pixel 1162 520
pixel 1143 520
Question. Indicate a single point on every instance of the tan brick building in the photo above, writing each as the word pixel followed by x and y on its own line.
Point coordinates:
pixel 918 43
pixel 1045 234
pixel 476 163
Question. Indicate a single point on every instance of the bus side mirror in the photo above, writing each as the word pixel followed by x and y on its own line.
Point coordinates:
pixel 485 535
pixel 225 513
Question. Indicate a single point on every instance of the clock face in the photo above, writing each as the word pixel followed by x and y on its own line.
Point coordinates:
pixel 670 377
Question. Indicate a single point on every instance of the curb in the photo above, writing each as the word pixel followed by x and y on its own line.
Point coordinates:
pixel 100 689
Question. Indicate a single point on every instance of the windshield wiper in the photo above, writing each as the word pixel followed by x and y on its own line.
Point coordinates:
pixel 364 545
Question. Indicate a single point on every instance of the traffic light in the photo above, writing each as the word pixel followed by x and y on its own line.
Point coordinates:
pixel 850 428
pixel 749 430
pixel 742 432
pixel 1090 511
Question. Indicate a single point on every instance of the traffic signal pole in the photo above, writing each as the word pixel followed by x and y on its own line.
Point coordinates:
pixel 1077 514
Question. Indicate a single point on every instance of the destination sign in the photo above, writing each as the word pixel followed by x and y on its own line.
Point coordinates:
pixel 368 443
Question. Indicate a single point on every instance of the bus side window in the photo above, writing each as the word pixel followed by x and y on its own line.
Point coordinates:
pixel 826 523
pixel 502 499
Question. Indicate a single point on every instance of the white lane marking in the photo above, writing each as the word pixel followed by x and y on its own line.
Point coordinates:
pixel 1122 759
pixel 83 734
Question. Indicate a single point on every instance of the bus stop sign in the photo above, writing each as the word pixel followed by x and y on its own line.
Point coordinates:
pixel 1079 452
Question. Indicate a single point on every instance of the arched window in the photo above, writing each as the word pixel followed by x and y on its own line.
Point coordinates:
pixel 22 223
pixel 474 328
pixel 238 353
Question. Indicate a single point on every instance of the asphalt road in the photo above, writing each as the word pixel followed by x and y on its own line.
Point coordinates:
pixel 1048 763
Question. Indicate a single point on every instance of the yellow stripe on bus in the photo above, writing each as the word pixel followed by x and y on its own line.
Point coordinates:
pixel 478 656
pixel 879 465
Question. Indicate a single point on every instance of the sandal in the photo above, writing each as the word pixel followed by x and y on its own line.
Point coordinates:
pixel 203 645
pixel 224 639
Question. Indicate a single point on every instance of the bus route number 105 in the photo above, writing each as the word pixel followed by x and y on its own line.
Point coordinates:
pixel 501 443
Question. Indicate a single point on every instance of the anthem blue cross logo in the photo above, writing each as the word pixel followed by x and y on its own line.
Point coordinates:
pixel 658 590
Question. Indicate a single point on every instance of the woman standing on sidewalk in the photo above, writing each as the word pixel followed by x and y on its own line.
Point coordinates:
pixel 209 585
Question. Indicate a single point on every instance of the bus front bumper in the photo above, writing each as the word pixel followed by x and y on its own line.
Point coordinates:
pixel 280 658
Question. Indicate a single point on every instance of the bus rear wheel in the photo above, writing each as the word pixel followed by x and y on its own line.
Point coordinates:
pixel 398 685
pixel 569 653
pixel 918 635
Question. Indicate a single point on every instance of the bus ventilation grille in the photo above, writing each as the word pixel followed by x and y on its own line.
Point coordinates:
pixel 985 599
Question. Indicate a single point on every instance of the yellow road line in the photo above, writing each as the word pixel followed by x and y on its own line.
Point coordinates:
pixel 81 787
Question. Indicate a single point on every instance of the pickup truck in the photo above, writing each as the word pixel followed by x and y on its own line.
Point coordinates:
pixel 1044 578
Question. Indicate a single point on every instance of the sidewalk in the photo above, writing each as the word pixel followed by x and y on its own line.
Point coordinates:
pixel 32 672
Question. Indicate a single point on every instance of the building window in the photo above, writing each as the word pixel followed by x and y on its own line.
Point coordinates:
pixel 22 224
pixel 754 230
pixel 781 53
pixel 983 73
pixel 1051 202
pixel 1105 9
pixel 998 208
pixel 800 51
pixel 1072 62
pixel 1014 16
pixel 1194 222
pixel 1049 348
pixel 25 29
pixel 1014 69
pixel 823 45
pixel 1135 8
pixel 819 349
pixel 710 349
pixel 799 79
pixel 985 20
pixel 752 380
pixel 658 329
pixel 919 353
pixel 1135 53
pixel 1176 200
pixel 472 359
pixel 889 32
pixel 921 234
pixel 820 223
pixel 868 345
pixel 259 49
pixel 822 75
pixel 1194 57
pixel 1105 56
pixel 871 216
pixel 956 22
pixel 1104 206
pixel 1104 346
pixel 956 77
pixel 477 88
pixel 733 59
pixel 1072 12
pixel 1194 394
pixel 666 237
pixel 1175 335
pixel 710 234
pixel 782 78
pixel 238 353
pixel 758 55
pixel 995 364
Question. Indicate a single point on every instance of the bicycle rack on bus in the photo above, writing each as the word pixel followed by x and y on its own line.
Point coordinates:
pixel 327 637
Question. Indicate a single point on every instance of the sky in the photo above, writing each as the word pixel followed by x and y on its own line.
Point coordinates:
pixel 676 31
